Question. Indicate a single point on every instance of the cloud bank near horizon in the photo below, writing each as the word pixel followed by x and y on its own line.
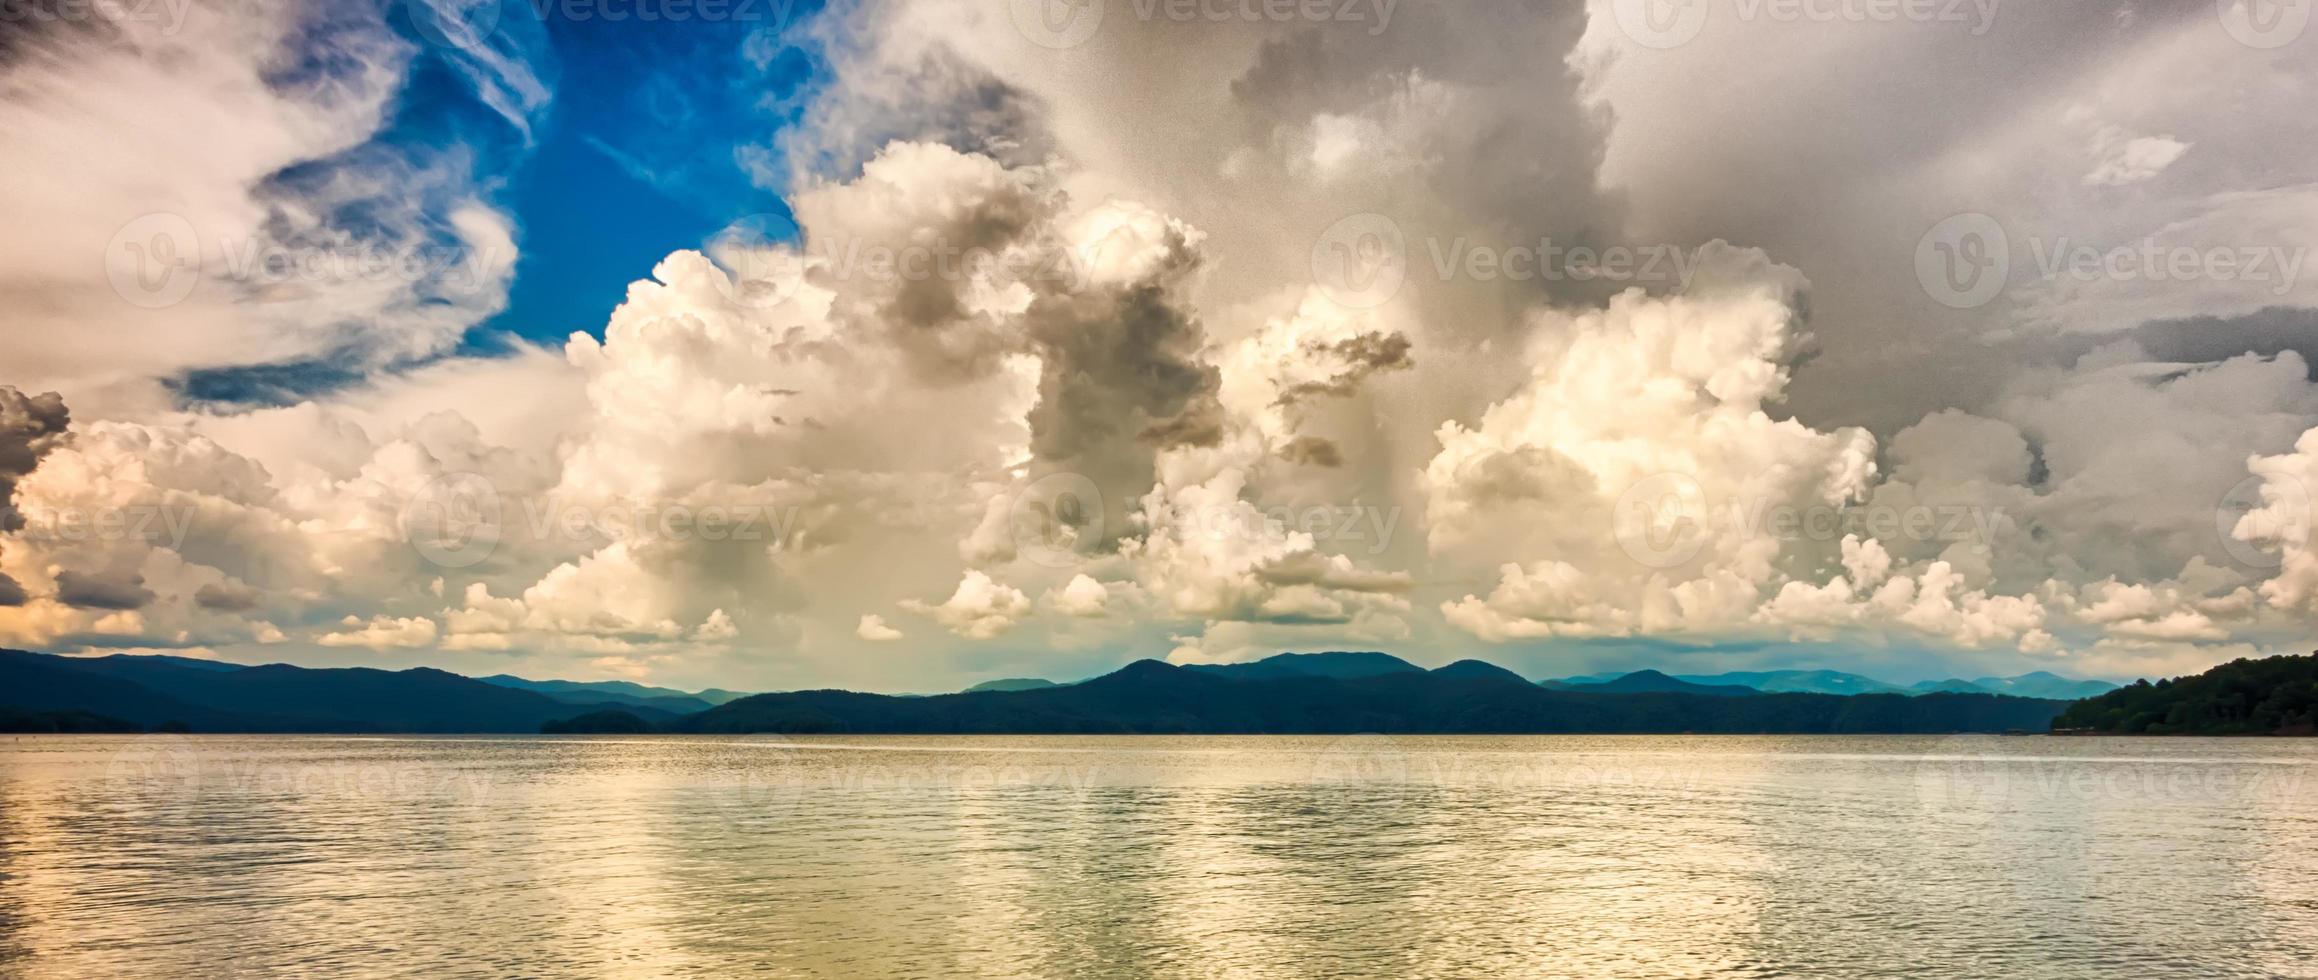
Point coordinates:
pixel 1918 347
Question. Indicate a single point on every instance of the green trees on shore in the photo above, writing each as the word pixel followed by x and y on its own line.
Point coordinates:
pixel 2276 695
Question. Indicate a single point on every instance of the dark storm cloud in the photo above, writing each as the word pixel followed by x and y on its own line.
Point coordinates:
pixel 1121 374
pixel 1312 451
pixel 104 590
pixel 2204 339
pixel 226 597
pixel 927 315
pixel 30 426
pixel 2187 340
pixel 1360 356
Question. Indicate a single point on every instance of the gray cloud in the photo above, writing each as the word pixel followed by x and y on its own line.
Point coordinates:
pixel 1841 168
pixel 1312 451
pixel 30 426
pixel 1121 376
pixel 2205 339
pixel 226 597
pixel 103 590
pixel 1360 356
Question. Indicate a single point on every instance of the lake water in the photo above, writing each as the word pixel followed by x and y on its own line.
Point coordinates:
pixel 1164 857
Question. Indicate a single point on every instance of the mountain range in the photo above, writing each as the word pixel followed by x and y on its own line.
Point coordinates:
pixel 1327 697
pixel 2037 684
pixel 204 696
pixel 1294 692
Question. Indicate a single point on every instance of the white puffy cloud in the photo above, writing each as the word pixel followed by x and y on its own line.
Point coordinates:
pixel 874 629
pixel 2278 524
pixel 1082 597
pixel 2121 160
pixel 980 609
pixel 383 632
pixel 1640 460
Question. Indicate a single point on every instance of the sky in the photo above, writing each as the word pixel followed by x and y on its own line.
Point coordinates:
pixel 902 344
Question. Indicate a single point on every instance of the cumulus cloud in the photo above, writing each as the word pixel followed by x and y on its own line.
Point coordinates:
pixel 1641 450
pixel 2120 160
pixel 1082 597
pixel 117 591
pixel 1065 326
pixel 29 427
pixel 382 632
pixel 2280 522
pixel 874 629
pixel 980 609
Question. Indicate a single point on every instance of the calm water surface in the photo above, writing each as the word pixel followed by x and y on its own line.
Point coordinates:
pixel 1163 857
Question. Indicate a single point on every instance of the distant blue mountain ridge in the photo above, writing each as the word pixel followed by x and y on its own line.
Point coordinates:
pixel 2036 684
pixel 1352 665
pixel 1288 693
pixel 616 692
